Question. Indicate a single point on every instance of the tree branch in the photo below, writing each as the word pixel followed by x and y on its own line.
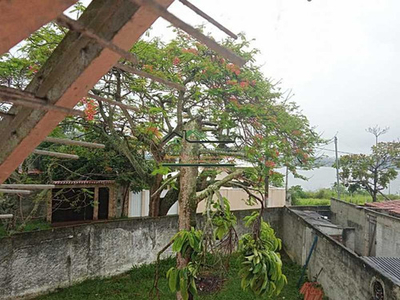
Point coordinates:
pixel 214 187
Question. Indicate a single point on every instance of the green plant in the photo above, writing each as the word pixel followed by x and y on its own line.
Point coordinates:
pixel 188 243
pixel 222 218
pixel 261 270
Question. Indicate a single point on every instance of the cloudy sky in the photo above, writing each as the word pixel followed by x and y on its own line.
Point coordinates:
pixel 340 58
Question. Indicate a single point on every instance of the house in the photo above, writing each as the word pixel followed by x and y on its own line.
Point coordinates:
pixel 81 201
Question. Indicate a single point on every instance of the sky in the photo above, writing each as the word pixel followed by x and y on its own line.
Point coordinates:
pixel 340 58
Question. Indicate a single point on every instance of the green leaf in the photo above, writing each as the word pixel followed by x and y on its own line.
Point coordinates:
pixel 172 276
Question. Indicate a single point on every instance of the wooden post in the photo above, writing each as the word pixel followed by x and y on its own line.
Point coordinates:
pixel 96 203
pixel 49 206
pixel 111 201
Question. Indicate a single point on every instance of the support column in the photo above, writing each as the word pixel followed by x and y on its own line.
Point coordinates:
pixel 96 204
pixel 49 206
pixel 111 202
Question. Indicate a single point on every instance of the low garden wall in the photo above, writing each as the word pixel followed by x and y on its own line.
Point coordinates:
pixel 342 273
pixel 38 262
pixel 34 263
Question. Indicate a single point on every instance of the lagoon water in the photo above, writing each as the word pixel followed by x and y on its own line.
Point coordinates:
pixel 325 177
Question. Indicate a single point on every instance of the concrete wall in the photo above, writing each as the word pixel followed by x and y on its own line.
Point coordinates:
pixel 139 202
pixel 38 262
pixel 350 215
pixel 387 235
pixel 237 198
pixel 384 241
pixel 344 275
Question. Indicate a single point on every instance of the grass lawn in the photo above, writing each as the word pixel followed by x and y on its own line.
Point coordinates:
pixel 312 201
pixel 356 199
pixel 137 283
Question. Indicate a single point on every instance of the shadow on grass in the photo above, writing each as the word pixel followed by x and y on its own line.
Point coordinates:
pixel 137 283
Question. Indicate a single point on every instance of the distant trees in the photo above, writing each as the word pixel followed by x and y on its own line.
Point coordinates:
pixel 371 172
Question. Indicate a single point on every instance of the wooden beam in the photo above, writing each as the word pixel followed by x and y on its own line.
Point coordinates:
pixel 73 143
pixel 6 216
pixel 55 154
pixel 10 95
pixel 208 18
pixel 213 45
pixel 74 67
pixel 113 102
pixel 96 204
pixel 76 26
pixel 22 192
pixel 150 76
pixel 20 18
pixel 27 186
pixel 73 25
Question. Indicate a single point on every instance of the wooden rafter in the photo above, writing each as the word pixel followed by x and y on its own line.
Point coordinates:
pixel 76 26
pixel 74 67
pixel 21 98
pixel 55 154
pixel 210 43
pixel 6 216
pixel 208 18
pixel 141 73
pixel 73 143
pixel 113 102
pixel 22 192
pixel 21 186
pixel 20 18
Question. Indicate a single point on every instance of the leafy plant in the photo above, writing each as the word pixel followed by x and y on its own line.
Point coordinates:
pixel 261 270
pixel 188 243
pixel 223 219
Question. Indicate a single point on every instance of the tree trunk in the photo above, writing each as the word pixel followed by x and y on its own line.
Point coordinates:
pixel 266 191
pixel 187 194
pixel 170 198
pixel 374 196
pixel 154 205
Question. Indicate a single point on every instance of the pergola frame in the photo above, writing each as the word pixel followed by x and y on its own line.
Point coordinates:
pixel 95 43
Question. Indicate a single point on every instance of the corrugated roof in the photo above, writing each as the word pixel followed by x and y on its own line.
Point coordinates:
pixel 392 206
pixel 389 265
pixel 83 182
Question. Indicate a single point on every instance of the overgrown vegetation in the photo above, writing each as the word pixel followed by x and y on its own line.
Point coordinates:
pixel 137 283
pixel 34 225
pixel 323 196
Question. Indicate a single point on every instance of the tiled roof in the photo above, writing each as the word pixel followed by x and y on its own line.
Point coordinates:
pixel 392 206
pixel 83 182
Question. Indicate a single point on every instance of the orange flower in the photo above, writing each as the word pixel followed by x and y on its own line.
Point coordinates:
pixel 190 50
pixel 244 84
pixel 176 61
pixel 269 164
pixel 233 68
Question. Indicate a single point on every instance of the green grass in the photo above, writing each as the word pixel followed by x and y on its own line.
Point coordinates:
pixel 30 226
pixel 137 283
pixel 312 202
pixel 355 199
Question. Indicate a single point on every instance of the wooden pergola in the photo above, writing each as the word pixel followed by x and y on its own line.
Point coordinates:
pixel 94 44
